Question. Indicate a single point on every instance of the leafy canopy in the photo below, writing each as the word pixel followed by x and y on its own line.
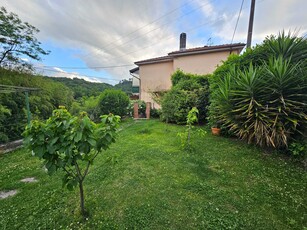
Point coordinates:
pixel 17 40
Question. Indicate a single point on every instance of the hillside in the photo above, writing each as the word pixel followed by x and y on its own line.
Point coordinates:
pixel 42 102
pixel 81 87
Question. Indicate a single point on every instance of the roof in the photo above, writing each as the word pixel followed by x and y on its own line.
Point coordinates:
pixel 209 49
pixel 192 51
pixel 154 60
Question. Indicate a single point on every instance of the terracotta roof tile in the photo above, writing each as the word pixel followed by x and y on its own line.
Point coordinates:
pixel 209 48
pixel 157 59
pixel 196 50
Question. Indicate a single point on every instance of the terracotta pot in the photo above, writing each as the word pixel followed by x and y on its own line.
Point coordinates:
pixel 216 131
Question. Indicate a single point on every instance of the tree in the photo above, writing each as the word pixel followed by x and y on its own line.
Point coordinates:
pixel 17 41
pixel 186 136
pixel 70 143
pixel 113 101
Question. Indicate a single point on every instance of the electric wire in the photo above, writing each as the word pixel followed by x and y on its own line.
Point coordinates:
pixel 141 35
pixel 234 32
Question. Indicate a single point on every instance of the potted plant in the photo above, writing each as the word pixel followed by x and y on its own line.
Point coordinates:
pixel 216 130
pixel 215 126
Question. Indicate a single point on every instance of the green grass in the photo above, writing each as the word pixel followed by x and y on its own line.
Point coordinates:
pixel 146 181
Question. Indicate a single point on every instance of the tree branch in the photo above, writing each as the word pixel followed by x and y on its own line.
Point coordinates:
pixel 86 170
pixel 69 172
pixel 78 171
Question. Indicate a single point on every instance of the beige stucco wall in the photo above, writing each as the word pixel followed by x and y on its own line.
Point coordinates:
pixel 200 63
pixel 155 77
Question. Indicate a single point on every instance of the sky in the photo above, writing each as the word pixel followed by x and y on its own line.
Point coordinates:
pixel 99 40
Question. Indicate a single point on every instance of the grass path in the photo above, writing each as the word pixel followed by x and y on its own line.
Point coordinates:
pixel 146 181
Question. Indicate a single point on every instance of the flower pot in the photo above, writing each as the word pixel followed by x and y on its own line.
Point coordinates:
pixel 216 131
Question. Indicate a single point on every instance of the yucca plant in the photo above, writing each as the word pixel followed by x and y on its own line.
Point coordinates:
pixel 265 104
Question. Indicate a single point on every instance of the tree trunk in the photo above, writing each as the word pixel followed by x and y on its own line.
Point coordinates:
pixel 82 199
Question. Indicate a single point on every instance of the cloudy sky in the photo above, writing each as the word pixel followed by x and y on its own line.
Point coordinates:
pixel 99 40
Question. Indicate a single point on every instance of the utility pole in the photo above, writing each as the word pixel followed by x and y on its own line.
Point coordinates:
pixel 250 25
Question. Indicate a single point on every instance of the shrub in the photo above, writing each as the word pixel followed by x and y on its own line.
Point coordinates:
pixel 188 91
pixel 155 113
pixel 263 103
pixel 113 101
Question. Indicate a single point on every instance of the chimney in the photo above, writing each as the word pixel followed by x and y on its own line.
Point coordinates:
pixel 183 41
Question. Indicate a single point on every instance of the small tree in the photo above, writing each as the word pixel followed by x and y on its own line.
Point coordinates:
pixel 187 134
pixel 70 143
pixel 17 39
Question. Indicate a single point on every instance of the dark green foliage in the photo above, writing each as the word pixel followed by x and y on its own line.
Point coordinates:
pixel 155 113
pixel 264 102
pixel 42 102
pixel 188 91
pixel 113 101
pixel 17 40
pixel 83 88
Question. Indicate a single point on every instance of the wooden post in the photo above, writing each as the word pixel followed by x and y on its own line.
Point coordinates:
pixel 136 110
pixel 28 108
pixel 148 106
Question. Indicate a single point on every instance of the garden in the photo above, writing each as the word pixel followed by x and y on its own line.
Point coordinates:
pixel 147 181
pixel 104 172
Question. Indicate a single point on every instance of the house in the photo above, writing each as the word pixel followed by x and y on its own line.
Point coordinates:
pixel 154 75
pixel 135 82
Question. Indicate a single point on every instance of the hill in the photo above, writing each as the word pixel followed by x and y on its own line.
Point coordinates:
pixel 81 87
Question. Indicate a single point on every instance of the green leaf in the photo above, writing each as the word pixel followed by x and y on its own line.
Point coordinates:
pixel 78 136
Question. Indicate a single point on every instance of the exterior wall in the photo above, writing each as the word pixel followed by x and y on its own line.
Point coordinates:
pixel 200 63
pixel 135 81
pixel 155 77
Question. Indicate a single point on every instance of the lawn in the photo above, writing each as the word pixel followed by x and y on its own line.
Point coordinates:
pixel 146 181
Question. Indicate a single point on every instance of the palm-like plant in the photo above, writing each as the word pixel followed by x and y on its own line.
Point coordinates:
pixel 266 104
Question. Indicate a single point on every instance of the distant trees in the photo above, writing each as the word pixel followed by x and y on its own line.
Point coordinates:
pixel 17 40
pixel 82 88
pixel 124 85
pixel 42 102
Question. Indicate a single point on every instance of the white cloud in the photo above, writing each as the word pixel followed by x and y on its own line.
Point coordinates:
pixel 108 32
pixel 270 18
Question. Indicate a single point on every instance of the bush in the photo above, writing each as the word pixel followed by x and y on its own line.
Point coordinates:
pixel 155 113
pixel 113 101
pixel 263 103
pixel 188 91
